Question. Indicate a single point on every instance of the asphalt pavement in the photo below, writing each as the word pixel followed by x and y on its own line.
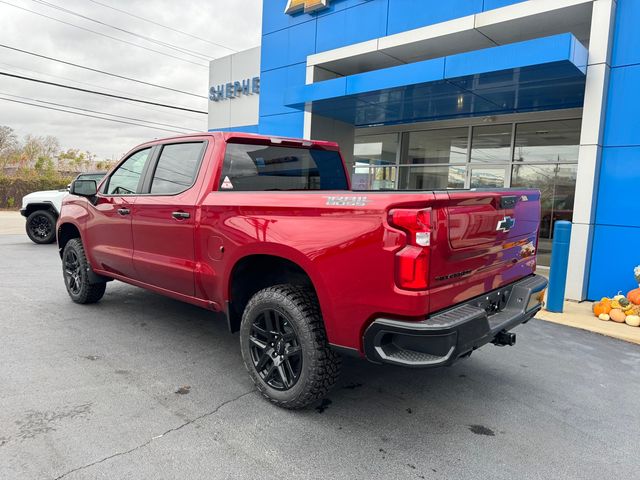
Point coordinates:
pixel 89 392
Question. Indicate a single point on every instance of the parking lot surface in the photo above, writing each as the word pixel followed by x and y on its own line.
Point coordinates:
pixel 89 392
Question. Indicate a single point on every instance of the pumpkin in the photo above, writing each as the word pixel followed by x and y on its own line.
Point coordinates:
pixel 617 315
pixel 601 307
pixel 619 296
pixel 633 320
pixel 604 317
pixel 634 296
pixel 624 303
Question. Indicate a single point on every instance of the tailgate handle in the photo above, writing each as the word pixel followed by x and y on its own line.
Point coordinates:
pixel 508 202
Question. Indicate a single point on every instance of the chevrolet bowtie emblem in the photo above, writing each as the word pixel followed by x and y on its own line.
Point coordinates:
pixel 506 224
pixel 307 5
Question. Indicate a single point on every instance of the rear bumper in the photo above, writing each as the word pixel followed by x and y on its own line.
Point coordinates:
pixel 448 335
pixel 23 212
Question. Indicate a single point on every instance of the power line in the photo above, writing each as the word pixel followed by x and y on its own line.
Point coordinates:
pixel 21 70
pixel 163 26
pixel 185 51
pixel 90 116
pixel 101 71
pixel 96 111
pixel 104 94
pixel 104 34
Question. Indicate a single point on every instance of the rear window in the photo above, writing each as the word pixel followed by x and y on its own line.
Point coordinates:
pixel 267 167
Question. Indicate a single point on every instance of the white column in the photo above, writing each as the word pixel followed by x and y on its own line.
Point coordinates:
pixel 593 119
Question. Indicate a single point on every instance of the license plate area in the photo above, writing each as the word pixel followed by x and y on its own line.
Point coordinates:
pixel 495 301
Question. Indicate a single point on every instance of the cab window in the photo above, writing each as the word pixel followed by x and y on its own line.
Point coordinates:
pixel 177 168
pixel 126 179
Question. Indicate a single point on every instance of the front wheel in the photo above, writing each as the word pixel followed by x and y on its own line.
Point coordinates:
pixel 75 270
pixel 284 346
pixel 41 227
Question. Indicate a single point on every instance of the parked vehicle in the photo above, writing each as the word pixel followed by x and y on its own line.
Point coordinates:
pixel 41 209
pixel 267 232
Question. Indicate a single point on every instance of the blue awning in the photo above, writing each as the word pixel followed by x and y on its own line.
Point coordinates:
pixel 541 74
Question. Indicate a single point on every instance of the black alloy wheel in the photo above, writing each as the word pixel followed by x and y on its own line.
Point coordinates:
pixel 284 346
pixel 275 350
pixel 41 227
pixel 76 270
pixel 72 271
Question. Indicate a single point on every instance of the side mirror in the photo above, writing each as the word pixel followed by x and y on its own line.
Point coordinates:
pixel 84 188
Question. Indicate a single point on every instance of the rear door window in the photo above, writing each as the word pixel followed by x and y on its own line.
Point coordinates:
pixel 267 167
pixel 177 168
pixel 126 179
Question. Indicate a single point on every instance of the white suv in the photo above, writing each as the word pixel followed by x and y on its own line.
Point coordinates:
pixel 41 210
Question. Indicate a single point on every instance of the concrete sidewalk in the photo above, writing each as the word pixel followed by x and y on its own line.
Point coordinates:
pixel 11 222
pixel 580 315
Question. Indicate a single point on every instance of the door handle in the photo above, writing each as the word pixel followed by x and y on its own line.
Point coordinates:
pixel 124 211
pixel 180 215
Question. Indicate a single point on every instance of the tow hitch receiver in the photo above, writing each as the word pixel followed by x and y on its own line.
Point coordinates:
pixel 504 338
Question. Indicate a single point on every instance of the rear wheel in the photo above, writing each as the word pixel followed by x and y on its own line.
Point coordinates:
pixel 284 346
pixel 75 270
pixel 41 227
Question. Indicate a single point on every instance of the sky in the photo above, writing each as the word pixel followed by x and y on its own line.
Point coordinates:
pixel 234 24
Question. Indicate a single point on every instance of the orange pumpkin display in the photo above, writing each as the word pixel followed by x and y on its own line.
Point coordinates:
pixel 603 306
pixel 634 296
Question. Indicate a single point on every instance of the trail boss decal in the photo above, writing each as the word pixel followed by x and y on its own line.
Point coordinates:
pixel 347 201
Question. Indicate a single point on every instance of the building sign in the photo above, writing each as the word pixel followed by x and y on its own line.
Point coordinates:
pixel 294 6
pixel 231 90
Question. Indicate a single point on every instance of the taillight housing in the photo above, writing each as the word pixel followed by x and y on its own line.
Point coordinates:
pixel 412 261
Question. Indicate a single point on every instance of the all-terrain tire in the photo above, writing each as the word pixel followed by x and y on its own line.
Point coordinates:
pixel 41 227
pixel 75 270
pixel 298 308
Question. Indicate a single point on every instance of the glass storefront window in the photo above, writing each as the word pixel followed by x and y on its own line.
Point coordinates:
pixel 370 150
pixel 432 178
pixel 491 144
pixel 487 177
pixel 557 184
pixel 555 141
pixel 437 146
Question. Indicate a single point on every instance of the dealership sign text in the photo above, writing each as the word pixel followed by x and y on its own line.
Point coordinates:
pixel 230 90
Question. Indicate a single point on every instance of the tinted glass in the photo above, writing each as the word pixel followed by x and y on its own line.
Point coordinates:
pixel 125 179
pixel 557 141
pixel 491 144
pixel 265 167
pixel 437 146
pixel 177 168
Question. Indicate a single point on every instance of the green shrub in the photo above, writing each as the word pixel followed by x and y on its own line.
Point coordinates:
pixel 12 189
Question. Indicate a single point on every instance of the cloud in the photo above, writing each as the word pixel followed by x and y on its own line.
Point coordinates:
pixel 236 24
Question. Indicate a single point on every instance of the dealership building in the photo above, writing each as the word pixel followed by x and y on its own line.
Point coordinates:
pixel 432 94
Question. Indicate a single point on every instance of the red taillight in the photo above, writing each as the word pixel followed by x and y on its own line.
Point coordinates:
pixel 412 261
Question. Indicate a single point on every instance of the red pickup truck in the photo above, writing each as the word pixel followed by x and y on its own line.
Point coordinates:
pixel 267 232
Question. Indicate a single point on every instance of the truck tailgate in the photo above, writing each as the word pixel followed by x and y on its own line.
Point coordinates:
pixel 483 240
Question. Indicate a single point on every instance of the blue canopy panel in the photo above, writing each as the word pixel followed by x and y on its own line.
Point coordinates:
pixel 542 74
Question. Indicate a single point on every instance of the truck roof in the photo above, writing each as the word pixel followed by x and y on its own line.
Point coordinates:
pixel 251 137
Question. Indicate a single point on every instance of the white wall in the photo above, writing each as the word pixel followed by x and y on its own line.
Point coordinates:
pixel 243 109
